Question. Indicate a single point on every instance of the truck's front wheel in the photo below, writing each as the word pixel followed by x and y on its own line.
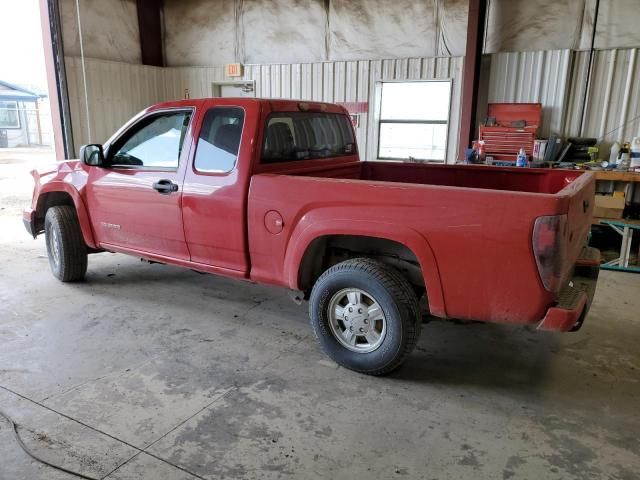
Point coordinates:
pixel 65 245
pixel 365 315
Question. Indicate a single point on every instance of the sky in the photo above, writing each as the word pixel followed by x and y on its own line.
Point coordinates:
pixel 21 50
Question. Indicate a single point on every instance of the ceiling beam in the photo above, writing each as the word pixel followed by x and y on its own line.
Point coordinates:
pixel 150 26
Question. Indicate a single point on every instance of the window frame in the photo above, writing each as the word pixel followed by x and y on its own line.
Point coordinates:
pixel 197 141
pixel 380 121
pixel 115 142
pixel 17 126
pixel 318 159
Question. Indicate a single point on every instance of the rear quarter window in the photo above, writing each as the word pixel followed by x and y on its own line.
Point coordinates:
pixel 298 136
pixel 219 140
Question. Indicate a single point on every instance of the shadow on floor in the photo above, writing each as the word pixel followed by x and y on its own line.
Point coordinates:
pixel 481 355
pixel 489 356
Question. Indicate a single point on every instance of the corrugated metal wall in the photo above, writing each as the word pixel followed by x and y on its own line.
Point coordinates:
pixel 117 91
pixel 558 78
pixel 353 81
pixel 542 77
pixel 613 104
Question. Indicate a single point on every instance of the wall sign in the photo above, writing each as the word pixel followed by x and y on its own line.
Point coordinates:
pixel 233 69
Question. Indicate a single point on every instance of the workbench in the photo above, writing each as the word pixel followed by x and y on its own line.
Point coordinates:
pixel 626 230
pixel 613 176
pixel 625 227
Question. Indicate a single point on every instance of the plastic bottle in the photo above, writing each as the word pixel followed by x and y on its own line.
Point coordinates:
pixel 615 153
pixel 635 152
pixel 625 157
pixel 521 159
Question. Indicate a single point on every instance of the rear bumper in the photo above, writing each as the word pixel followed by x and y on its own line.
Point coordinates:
pixel 574 300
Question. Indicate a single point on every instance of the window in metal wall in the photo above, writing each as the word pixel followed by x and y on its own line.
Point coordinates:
pixel 414 120
pixel 9 117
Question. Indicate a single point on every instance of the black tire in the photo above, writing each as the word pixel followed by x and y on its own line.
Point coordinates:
pixel 397 300
pixel 69 261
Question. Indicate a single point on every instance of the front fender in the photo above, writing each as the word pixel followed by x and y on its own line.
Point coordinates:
pixel 310 229
pixel 78 202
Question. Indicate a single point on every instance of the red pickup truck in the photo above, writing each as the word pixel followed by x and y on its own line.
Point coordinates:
pixel 274 191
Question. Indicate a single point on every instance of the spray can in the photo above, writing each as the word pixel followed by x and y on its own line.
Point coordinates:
pixel 521 159
pixel 539 148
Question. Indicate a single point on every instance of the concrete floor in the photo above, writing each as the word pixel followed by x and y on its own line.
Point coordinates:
pixel 150 371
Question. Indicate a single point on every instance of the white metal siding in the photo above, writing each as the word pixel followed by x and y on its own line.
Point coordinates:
pixel 352 81
pixel 542 77
pixel 117 91
pixel 613 103
pixel 557 79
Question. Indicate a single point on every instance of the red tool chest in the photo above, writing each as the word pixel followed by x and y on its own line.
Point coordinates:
pixel 502 141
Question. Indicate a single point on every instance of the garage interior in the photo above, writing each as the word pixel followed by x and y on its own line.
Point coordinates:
pixel 152 371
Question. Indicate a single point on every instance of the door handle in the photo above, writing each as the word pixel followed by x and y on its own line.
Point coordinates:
pixel 165 186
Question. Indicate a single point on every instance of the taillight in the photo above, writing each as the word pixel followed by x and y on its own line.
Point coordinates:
pixel 549 249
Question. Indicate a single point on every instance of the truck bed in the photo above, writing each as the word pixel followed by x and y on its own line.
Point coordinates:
pixel 468 176
pixel 472 176
pixel 476 222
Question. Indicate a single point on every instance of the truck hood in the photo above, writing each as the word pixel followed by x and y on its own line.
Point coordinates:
pixel 55 171
pixel 70 172
pixel 64 166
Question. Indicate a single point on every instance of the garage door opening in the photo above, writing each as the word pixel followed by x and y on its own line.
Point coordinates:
pixel 233 89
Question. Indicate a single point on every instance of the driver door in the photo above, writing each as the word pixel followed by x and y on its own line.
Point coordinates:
pixel 135 201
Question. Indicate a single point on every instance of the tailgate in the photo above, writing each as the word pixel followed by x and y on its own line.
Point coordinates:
pixel 580 194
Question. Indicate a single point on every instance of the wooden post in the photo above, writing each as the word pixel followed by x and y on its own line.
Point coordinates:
pixel 38 123
pixel 22 112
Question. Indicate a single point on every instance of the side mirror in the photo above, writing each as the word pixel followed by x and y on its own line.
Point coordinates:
pixel 92 155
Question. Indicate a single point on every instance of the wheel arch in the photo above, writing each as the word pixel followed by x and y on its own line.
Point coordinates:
pixel 305 259
pixel 59 193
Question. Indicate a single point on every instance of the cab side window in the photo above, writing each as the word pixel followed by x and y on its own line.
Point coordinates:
pixel 156 141
pixel 219 141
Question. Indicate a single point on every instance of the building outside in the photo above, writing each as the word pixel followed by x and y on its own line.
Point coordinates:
pixel 25 118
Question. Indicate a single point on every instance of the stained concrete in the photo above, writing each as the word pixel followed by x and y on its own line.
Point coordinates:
pixel 150 371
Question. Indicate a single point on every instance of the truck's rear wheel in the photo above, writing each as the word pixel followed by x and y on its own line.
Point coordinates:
pixel 365 315
pixel 66 249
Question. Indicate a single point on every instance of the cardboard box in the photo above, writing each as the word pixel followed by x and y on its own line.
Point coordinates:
pixel 608 207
